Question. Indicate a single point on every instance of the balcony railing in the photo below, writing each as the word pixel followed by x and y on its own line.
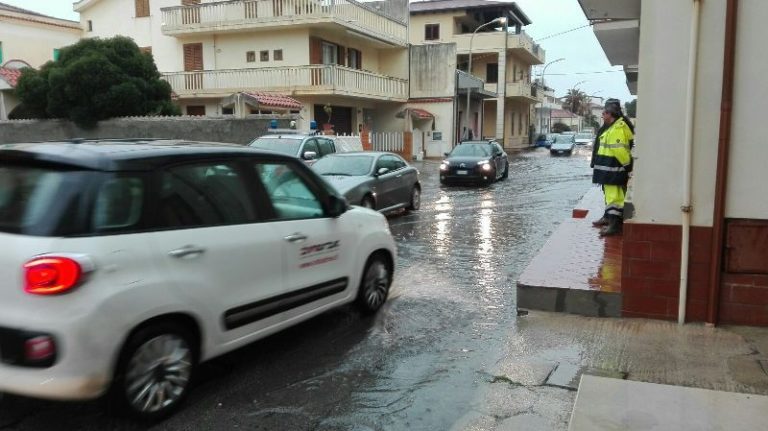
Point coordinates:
pixel 522 89
pixel 244 15
pixel 494 41
pixel 298 80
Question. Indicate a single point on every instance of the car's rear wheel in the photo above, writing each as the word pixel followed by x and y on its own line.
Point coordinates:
pixel 155 371
pixel 368 202
pixel 374 286
pixel 415 203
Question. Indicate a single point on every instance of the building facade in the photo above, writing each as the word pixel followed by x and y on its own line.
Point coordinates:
pixel 345 58
pixel 696 247
pixel 501 95
pixel 28 39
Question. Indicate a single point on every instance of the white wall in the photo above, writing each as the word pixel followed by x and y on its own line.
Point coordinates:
pixel 748 176
pixel 33 42
pixel 444 125
pixel 231 48
pixel 664 48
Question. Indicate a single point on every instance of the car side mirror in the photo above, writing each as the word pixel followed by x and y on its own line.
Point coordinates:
pixel 446 154
pixel 337 206
pixel 309 155
pixel 382 171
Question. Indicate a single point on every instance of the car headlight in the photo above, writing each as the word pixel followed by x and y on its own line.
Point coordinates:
pixel 444 166
pixel 485 166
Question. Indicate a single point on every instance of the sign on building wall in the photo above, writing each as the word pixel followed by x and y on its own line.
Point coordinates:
pixel 437 136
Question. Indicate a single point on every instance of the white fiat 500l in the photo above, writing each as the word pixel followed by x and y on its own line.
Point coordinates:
pixel 125 264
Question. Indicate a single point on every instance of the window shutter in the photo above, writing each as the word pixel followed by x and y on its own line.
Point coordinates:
pixel 193 56
pixel 315 51
pixel 142 8
pixel 341 57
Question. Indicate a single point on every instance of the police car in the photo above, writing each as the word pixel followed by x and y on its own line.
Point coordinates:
pixel 127 263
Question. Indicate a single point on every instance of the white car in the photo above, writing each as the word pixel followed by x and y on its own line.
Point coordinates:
pixel 126 263
pixel 584 139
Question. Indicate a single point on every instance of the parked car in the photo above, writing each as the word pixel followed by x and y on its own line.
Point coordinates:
pixel 377 180
pixel 128 263
pixel 545 140
pixel 564 144
pixel 584 139
pixel 475 161
pixel 308 148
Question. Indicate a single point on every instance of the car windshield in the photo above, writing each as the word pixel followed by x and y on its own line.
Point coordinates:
pixel 472 150
pixel 563 139
pixel 583 136
pixel 552 136
pixel 344 165
pixel 288 146
pixel 33 200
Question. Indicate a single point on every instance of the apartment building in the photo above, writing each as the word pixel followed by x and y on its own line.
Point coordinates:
pixel 309 57
pixel 501 95
pixel 28 39
pixel 696 247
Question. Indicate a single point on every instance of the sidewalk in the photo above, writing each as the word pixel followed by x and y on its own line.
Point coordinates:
pixel 576 271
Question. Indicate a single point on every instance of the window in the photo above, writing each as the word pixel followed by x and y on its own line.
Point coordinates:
pixel 291 197
pixel 310 145
pixel 227 111
pixel 354 59
pixel 90 25
pixel 264 55
pixel 210 194
pixel 514 73
pixel 330 53
pixel 326 147
pixel 432 32
pixel 389 162
pixel 519 123
pixel 277 55
pixel 119 204
pixel 146 50
pixel 142 8
pixel 492 73
pixel 1 52
pixel 512 123
pixel 56 54
pixel 196 110
pixel 250 56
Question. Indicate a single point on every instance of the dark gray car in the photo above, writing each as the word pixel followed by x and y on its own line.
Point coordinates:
pixel 475 161
pixel 378 180
pixel 308 148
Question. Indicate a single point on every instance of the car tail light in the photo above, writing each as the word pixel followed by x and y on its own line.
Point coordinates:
pixel 51 275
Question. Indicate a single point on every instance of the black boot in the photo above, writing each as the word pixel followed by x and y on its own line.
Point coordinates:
pixel 602 221
pixel 614 227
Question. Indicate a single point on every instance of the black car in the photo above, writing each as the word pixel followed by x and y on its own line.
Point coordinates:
pixel 475 161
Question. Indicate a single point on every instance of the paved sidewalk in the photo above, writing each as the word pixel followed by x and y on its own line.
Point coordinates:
pixel 576 271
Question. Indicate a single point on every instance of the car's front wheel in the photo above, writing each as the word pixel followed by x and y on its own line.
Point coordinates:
pixel 374 286
pixel 506 171
pixel 154 371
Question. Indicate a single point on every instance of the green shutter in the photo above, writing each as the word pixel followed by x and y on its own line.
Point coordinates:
pixel 55 54
pixel 1 53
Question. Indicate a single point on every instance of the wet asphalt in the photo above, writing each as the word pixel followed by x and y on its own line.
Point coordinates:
pixel 418 363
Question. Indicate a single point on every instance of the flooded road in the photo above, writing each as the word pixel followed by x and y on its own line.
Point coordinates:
pixel 417 364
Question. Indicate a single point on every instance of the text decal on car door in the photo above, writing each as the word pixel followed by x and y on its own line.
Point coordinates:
pixel 320 253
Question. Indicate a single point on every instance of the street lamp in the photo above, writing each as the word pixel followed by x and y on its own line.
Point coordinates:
pixel 501 20
pixel 544 89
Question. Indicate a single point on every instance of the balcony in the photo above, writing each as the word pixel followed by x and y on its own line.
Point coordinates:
pixel 256 15
pixel 523 90
pixel 296 81
pixel 521 45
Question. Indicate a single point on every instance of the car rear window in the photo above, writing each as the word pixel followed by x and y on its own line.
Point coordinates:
pixel 38 200
pixel 289 146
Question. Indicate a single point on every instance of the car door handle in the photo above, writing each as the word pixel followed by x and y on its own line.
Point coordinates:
pixel 187 250
pixel 296 237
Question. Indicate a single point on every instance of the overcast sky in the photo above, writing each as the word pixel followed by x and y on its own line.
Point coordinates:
pixel 584 59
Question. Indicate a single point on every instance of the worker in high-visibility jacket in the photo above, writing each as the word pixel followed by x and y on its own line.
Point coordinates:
pixel 612 163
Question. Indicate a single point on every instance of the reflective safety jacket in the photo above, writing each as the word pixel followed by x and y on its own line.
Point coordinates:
pixel 612 161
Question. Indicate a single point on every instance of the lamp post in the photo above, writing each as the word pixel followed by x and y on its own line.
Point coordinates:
pixel 501 20
pixel 544 89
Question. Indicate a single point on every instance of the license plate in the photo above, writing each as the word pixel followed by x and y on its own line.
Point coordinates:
pixel 461 172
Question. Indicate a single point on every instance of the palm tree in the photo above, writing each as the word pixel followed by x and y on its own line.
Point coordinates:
pixel 576 101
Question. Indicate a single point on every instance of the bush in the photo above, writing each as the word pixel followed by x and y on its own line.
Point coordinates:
pixel 93 80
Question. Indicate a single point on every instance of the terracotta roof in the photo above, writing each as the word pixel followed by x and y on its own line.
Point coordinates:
pixel 273 100
pixel 11 76
pixel 421 113
pixel 562 113
pixel 10 8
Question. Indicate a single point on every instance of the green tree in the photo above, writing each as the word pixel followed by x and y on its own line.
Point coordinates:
pixel 576 101
pixel 93 80
pixel 630 108
pixel 560 128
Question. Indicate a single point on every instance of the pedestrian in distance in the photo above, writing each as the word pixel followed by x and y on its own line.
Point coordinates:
pixel 611 164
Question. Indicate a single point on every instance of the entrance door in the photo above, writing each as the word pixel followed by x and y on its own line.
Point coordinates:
pixel 341 118
pixel 193 61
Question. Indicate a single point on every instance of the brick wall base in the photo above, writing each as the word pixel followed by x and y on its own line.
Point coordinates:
pixel 651 274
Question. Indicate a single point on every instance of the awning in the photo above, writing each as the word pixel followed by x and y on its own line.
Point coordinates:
pixel 11 76
pixel 266 100
pixel 416 114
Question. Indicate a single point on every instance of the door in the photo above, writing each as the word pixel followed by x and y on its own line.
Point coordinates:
pixel 388 185
pixel 193 61
pixel 317 250
pixel 405 179
pixel 215 247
